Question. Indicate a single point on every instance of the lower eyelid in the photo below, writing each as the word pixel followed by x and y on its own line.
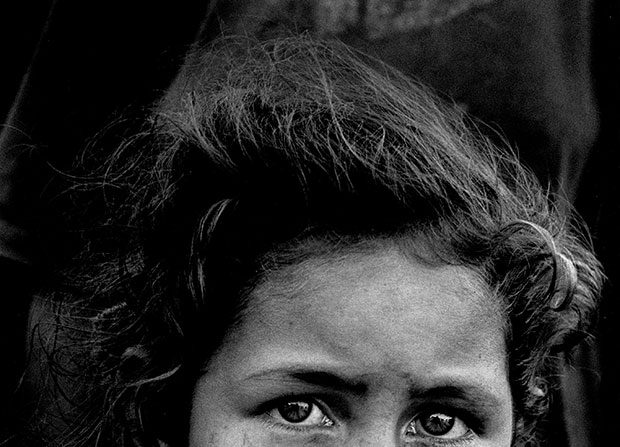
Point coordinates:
pixel 308 430
pixel 330 433
pixel 424 441
pixel 287 439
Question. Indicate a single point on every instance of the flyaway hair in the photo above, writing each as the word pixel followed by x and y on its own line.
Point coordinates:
pixel 262 148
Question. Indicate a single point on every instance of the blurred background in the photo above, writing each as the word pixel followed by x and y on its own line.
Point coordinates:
pixel 543 74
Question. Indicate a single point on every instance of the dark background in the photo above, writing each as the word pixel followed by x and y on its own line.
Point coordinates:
pixel 82 64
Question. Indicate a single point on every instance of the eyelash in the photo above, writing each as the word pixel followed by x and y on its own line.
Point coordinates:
pixel 273 405
pixel 472 422
pixel 434 442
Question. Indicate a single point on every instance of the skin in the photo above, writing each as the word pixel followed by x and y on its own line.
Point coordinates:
pixel 374 344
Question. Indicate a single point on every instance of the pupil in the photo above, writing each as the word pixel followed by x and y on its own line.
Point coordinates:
pixel 295 411
pixel 437 424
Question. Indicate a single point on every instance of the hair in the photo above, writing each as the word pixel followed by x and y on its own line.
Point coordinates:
pixel 262 148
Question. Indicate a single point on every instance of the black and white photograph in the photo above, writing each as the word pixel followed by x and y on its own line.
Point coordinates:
pixel 310 223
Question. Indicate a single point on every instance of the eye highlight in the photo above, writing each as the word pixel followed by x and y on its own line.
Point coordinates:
pixel 438 425
pixel 300 413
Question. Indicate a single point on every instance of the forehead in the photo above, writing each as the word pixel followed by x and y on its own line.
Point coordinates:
pixel 374 312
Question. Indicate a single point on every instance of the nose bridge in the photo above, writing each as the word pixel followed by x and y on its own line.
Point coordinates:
pixel 380 423
pixel 381 432
pixel 376 440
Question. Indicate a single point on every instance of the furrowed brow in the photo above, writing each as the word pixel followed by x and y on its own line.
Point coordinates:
pixel 322 379
pixel 474 394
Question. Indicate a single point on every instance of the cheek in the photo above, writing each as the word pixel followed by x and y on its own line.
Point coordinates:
pixel 215 422
pixel 217 433
pixel 209 425
pixel 202 438
pixel 212 433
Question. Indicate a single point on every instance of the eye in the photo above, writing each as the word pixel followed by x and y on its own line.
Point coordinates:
pixel 438 425
pixel 304 413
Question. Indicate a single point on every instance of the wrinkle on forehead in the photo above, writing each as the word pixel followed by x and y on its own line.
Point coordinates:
pixel 334 302
pixel 301 279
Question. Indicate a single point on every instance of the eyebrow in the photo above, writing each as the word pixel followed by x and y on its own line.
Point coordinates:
pixel 448 389
pixel 474 394
pixel 322 379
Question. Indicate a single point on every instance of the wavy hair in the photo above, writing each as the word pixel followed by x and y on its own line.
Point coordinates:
pixel 260 146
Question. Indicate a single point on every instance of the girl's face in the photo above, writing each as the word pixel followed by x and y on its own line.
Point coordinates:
pixel 363 350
